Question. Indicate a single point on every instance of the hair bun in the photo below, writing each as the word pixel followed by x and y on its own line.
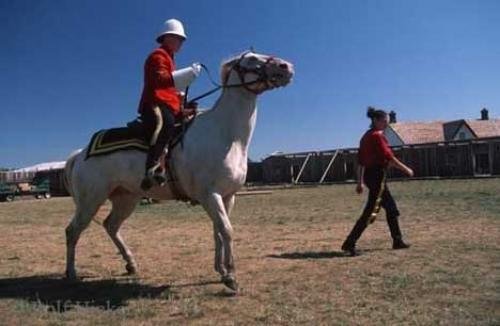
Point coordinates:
pixel 371 112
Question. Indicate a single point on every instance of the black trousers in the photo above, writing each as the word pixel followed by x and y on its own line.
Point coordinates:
pixel 378 196
pixel 160 122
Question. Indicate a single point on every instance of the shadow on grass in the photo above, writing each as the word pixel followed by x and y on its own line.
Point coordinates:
pixel 320 254
pixel 195 284
pixel 56 294
pixel 309 255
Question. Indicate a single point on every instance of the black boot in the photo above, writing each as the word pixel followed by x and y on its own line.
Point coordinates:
pixel 397 238
pixel 349 244
pixel 399 244
pixel 153 177
pixel 350 249
pixel 155 171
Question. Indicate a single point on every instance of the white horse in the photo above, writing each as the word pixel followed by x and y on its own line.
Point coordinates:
pixel 209 168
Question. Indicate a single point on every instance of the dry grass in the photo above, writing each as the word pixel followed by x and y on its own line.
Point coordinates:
pixel 288 262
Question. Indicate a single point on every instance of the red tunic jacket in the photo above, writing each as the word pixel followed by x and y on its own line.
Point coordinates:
pixel 374 149
pixel 158 82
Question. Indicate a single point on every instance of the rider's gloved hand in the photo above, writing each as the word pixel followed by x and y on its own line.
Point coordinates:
pixel 190 109
pixel 192 105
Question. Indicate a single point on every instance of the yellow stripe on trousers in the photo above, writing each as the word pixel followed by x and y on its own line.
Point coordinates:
pixel 159 125
pixel 376 208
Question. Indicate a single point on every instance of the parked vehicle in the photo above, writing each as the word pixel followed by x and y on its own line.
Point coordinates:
pixel 39 188
pixel 8 192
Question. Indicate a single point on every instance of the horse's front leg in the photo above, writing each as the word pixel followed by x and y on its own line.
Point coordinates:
pixel 214 205
pixel 219 252
pixel 220 263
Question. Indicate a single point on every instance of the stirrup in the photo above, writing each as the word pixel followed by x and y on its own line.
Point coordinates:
pixel 149 181
pixel 153 176
pixel 160 178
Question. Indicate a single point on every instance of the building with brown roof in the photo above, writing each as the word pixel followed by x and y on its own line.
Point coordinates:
pixel 412 133
pixel 448 148
pixel 436 149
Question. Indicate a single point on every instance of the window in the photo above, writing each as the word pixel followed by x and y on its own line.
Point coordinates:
pixel 461 135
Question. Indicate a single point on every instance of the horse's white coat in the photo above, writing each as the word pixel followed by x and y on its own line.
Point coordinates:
pixel 210 167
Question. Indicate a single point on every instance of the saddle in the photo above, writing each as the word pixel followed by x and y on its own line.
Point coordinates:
pixel 132 137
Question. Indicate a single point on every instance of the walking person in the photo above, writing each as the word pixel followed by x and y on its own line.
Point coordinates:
pixel 375 157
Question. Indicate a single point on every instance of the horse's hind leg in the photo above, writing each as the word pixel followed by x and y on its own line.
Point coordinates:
pixel 123 205
pixel 80 221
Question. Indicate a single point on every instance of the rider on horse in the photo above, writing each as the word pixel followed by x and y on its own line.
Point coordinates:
pixel 161 102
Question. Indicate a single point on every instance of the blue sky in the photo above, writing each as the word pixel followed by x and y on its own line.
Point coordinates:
pixel 69 68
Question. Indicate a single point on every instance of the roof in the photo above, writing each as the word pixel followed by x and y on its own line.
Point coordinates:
pixel 43 167
pixel 419 132
pixel 439 131
pixel 485 128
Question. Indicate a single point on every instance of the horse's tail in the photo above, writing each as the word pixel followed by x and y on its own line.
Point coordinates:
pixel 68 169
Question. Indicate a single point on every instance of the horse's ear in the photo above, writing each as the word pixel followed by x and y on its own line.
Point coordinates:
pixel 226 66
pixel 251 49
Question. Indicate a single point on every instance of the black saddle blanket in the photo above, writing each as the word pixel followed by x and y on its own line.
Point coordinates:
pixel 116 139
pixel 133 136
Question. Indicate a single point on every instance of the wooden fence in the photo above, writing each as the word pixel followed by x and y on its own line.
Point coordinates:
pixel 447 159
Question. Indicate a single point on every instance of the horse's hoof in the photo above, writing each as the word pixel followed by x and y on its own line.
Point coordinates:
pixel 131 269
pixel 230 282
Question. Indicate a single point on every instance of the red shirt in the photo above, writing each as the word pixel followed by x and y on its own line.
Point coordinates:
pixel 374 149
pixel 159 85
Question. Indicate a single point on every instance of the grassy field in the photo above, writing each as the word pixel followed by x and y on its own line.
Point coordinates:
pixel 288 261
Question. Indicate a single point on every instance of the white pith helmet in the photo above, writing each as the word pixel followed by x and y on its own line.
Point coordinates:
pixel 171 26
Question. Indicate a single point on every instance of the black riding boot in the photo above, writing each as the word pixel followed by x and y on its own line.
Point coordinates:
pixel 397 238
pixel 155 171
pixel 349 244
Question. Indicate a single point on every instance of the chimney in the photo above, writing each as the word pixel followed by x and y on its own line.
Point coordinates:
pixel 392 117
pixel 484 114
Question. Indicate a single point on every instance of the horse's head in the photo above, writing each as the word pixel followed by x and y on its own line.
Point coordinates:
pixel 256 72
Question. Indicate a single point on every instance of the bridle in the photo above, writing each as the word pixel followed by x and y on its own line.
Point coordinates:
pixel 260 70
